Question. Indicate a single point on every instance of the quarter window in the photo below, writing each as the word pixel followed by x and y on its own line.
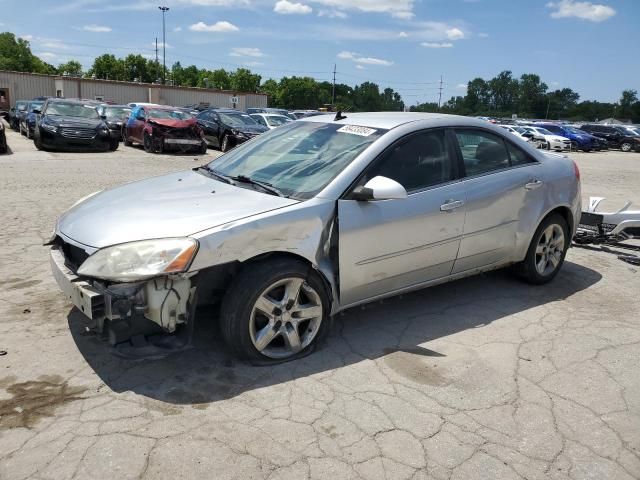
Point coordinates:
pixel 421 161
pixel 482 152
pixel 517 156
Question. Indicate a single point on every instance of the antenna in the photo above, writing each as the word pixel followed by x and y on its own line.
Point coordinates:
pixel 440 93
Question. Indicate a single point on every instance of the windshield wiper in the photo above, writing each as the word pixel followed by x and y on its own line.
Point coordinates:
pixel 215 173
pixel 267 187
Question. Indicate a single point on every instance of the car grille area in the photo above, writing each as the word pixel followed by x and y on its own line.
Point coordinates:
pixel 73 256
pixel 82 133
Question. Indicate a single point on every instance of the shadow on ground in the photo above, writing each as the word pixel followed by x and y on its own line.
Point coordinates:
pixel 207 372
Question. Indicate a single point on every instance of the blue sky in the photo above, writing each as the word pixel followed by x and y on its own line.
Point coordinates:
pixel 405 44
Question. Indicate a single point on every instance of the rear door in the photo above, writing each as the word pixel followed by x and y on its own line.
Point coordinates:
pixel 503 187
pixel 389 245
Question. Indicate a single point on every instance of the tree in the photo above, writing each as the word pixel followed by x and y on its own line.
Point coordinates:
pixel 504 92
pixel 478 96
pixel 627 100
pixel 107 67
pixel 531 96
pixel 15 54
pixel 299 93
pixel 367 98
pixel 392 101
pixel 72 67
pixel 243 80
pixel 272 89
pixel 136 68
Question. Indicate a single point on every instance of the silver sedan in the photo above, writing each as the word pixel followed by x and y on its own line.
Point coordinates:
pixel 311 218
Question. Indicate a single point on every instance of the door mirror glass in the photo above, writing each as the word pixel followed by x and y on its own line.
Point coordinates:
pixel 380 188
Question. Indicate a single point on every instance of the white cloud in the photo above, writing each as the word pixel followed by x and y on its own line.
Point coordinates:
pixel 360 67
pixel 54 44
pixel 253 64
pixel 177 29
pixel 49 55
pixel 584 10
pixel 357 58
pixel 96 28
pixel 403 35
pixel 160 44
pixel 216 27
pixel 332 14
pixel 284 7
pixel 28 38
pixel 437 44
pixel 246 52
pixel 454 34
pixel 396 8
pixel 461 86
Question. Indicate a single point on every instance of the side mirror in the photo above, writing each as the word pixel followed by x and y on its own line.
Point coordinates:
pixel 379 188
pixel 140 116
pixel 36 111
pixel 103 117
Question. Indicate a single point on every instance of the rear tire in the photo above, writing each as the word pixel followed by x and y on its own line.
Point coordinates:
pixel 275 311
pixel 546 252
pixel 113 145
pixel 625 147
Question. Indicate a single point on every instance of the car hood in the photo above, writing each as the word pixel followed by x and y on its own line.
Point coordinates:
pixel 556 137
pixel 174 205
pixel 251 129
pixel 73 121
pixel 173 123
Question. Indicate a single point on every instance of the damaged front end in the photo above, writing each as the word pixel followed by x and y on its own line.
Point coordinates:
pixel 125 308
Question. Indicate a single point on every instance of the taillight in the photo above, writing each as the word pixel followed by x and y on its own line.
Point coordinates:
pixel 576 170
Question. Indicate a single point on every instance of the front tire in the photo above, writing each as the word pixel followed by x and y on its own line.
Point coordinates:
pixel 275 311
pixel 226 144
pixel 37 141
pixel 146 143
pixel 113 145
pixel 547 251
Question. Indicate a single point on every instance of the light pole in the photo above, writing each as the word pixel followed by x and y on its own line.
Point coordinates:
pixel 164 45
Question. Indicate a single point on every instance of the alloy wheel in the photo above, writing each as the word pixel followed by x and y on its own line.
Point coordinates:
pixel 285 318
pixel 550 249
pixel 625 147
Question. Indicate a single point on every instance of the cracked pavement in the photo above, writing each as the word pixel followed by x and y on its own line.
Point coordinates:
pixel 484 378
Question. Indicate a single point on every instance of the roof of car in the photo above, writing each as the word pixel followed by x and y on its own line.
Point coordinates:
pixel 226 110
pixel 389 120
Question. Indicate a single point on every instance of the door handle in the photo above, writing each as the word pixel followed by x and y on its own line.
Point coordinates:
pixel 451 205
pixel 533 184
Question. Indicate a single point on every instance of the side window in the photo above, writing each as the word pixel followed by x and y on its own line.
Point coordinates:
pixel 517 156
pixel 482 152
pixel 420 161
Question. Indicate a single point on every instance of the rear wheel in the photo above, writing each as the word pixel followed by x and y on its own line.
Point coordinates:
pixel 113 145
pixel 37 141
pixel 275 311
pixel 546 252
pixel 625 147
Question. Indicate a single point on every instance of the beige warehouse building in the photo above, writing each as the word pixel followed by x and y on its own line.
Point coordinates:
pixel 25 86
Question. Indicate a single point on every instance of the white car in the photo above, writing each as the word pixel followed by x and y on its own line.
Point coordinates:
pixel 551 140
pixel 517 131
pixel 270 120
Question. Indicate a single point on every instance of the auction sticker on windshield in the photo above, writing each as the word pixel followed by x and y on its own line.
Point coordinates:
pixel 356 130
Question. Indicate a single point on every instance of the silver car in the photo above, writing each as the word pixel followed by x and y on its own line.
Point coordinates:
pixel 310 219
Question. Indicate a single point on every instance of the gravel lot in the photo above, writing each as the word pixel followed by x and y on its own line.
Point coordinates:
pixel 484 378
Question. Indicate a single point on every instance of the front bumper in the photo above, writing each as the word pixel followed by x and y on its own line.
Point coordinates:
pixel 101 141
pixel 183 141
pixel 125 310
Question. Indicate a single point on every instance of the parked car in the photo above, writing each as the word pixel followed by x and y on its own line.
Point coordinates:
pixel 270 120
pixel 71 125
pixel 522 134
pixel 116 117
pixel 312 218
pixel 579 140
pixel 3 139
pixel 160 128
pixel 15 113
pixel 27 121
pixel 277 111
pixel 226 128
pixel 618 136
pixel 550 141
pixel 303 113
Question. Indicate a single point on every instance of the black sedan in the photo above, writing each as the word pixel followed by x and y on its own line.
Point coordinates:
pixel 3 139
pixel 116 117
pixel 72 125
pixel 225 128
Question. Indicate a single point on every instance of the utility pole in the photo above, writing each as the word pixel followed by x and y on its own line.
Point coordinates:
pixel 440 93
pixel 333 90
pixel 157 64
pixel 164 45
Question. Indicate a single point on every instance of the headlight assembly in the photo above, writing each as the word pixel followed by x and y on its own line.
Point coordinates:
pixel 48 127
pixel 135 261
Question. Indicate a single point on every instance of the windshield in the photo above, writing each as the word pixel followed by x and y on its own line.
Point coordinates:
pixel 119 112
pixel 574 130
pixel 236 119
pixel 543 131
pixel 300 158
pixel 169 114
pixel 72 110
pixel 35 106
pixel 276 120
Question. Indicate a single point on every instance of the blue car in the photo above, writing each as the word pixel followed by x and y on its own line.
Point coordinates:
pixel 580 140
pixel 27 123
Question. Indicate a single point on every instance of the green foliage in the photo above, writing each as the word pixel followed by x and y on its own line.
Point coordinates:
pixel 72 67
pixel 15 54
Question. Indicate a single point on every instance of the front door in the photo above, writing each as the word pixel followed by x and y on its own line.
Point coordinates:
pixel 502 187
pixel 390 245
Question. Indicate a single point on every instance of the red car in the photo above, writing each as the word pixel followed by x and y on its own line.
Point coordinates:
pixel 159 128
